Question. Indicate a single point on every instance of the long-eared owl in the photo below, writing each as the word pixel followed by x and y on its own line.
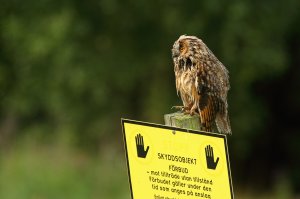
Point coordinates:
pixel 202 82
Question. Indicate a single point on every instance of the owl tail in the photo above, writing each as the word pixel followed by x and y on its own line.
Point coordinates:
pixel 223 123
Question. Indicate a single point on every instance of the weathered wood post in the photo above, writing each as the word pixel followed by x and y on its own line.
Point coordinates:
pixel 182 120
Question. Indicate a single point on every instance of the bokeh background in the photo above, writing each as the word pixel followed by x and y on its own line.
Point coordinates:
pixel 69 70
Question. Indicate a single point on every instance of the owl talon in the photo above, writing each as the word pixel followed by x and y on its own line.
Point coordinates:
pixel 193 110
pixel 181 108
pixel 186 112
pixel 193 113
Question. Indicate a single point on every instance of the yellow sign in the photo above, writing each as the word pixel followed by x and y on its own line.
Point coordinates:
pixel 172 163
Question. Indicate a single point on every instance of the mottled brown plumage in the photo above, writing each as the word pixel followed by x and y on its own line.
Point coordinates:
pixel 202 82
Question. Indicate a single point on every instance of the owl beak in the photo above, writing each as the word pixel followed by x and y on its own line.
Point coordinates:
pixel 175 53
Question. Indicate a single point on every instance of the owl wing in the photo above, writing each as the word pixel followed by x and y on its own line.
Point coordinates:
pixel 207 111
pixel 210 102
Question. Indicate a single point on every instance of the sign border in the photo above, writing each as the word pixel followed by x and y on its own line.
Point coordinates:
pixel 129 121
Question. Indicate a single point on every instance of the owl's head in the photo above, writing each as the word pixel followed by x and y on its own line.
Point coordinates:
pixel 185 45
pixel 186 51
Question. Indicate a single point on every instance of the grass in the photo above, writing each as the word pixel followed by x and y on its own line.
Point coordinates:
pixel 50 172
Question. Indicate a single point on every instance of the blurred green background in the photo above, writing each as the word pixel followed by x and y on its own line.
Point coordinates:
pixel 69 70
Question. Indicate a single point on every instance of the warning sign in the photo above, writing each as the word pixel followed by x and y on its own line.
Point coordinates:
pixel 172 163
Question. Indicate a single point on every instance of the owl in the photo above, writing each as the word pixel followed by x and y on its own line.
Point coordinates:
pixel 202 82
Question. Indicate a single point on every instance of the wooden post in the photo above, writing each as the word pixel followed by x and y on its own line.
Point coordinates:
pixel 182 120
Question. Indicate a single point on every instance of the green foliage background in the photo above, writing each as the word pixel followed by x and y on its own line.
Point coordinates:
pixel 69 70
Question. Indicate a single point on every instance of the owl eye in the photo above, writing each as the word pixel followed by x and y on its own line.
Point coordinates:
pixel 181 47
